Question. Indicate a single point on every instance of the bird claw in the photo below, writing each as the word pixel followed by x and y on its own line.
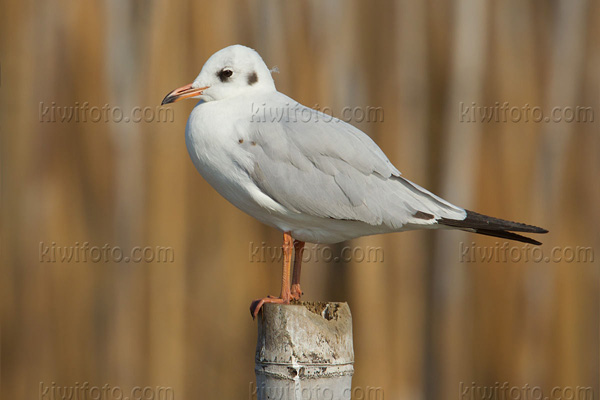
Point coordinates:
pixel 296 292
pixel 257 304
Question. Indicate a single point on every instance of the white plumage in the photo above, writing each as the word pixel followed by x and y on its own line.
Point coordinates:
pixel 295 168
pixel 313 177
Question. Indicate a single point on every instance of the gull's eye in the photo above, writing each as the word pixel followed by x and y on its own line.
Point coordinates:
pixel 225 74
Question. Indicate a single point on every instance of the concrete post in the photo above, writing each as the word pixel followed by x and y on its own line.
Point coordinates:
pixel 304 351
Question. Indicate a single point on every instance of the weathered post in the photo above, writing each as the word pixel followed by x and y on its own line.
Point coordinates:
pixel 304 351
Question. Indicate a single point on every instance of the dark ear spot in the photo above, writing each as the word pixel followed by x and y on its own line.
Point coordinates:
pixel 252 78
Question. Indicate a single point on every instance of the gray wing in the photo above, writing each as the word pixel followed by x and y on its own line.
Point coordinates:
pixel 327 168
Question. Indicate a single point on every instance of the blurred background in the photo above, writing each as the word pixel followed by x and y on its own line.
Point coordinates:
pixel 433 316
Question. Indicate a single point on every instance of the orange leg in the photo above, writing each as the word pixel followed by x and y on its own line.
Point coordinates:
pixel 298 249
pixel 285 296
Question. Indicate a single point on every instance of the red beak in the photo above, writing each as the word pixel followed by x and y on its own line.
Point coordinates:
pixel 184 92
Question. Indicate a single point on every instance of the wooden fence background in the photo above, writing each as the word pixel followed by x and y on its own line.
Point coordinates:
pixel 429 323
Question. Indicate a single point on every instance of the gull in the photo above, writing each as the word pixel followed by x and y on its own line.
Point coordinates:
pixel 313 177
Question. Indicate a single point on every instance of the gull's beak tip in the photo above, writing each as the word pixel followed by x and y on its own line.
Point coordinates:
pixel 166 100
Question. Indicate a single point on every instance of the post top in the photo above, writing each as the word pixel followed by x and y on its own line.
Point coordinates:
pixel 306 333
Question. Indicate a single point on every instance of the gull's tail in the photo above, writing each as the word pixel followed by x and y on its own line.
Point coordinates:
pixel 491 226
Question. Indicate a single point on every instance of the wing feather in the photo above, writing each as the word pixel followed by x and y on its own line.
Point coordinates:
pixel 330 169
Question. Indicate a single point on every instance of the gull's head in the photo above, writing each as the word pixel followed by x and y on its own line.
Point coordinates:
pixel 233 71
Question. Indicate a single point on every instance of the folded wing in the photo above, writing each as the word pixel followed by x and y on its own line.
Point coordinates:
pixel 327 168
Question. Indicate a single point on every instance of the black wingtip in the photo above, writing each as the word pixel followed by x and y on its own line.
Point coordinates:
pixel 509 236
pixel 485 225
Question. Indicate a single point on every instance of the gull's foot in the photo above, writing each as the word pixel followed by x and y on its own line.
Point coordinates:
pixel 258 303
pixel 296 291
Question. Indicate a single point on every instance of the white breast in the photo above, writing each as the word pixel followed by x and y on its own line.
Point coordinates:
pixel 214 146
